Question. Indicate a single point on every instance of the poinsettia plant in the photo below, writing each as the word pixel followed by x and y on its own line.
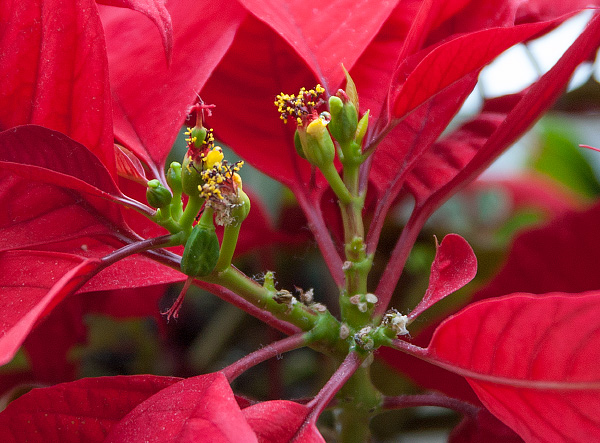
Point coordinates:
pixel 95 220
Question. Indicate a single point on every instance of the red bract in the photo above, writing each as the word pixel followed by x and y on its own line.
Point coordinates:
pixel 82 411
pixel 518 355
pixel 68 196
pixel 151 408
pixel 454 266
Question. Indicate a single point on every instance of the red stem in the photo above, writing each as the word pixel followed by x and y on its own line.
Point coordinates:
pixel 135 248
pixel 173 261
pixel 274 349
pixel 434 399
pixel 393 271
pixel 411 349
pixel 381 211
pixel 348 367
pixel 316 223
pixel 264 316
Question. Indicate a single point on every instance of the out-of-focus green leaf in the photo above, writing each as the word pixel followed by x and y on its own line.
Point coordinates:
pixel 519 220
pixel 561 158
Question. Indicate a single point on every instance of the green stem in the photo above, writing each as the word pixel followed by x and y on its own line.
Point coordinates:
pixel 176 206
pixel 192 208
pixel 163 218
pixel 236 281
pixel 206 220
pixel 358 400
pixel 336 183
pixel 228 244
pixel 356 313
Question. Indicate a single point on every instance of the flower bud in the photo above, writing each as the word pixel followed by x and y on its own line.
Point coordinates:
pixel 361 129
pixel 196 136
pixel 344 118
pixel 316 142
pixel 157 195
pixel 174 177
pixel 201 252
pixel 240 210
pixel 191 176
pixel 298 145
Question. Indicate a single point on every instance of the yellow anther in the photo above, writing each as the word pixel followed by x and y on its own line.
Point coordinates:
pixel 213 157
pixel 316 127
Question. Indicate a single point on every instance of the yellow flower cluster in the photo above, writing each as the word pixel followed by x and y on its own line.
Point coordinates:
pixel 301 105
pixel 221 177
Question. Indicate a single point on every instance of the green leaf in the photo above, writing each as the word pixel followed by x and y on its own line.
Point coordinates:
pixel 562 159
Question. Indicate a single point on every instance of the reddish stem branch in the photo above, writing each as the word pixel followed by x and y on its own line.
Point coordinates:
pixel 264 316
pixel 131 203
pixel 316 223
pixel 136 248
pixel 409 348
pixel 393 271
pixel 172 260
pixel 348 367
pixel 434 399
pixel 381 211
pixel 274 349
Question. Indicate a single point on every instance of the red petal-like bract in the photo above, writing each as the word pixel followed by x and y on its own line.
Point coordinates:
pixel 455 160
pixel 561 256
pixel 37 213
pixel 78 412
pixel 483 428
pixel 151 98
pixel 201 408
pixel 256 133
pixel 129 166
pixel 41 82
pixel 281 421
pixel 533 361
pixel 40 154
pixel 156 11
pixel 325 34
pixel 452 61
pixel 32 284
pixel 454 266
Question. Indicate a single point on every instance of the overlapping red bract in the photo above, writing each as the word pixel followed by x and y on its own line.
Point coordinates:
pixel 238 55
pixel 29 291
pixel 81 411
pixel 150 97
pixel 67 91
pixel 151 409
pixel 281 421
pixel 570 240
pixel 518 354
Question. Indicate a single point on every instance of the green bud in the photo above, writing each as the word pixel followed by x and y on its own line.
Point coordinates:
pixel 350 90
pixel 269 282
pixel 317 143
pixel 344 118
pixel 298 145
pixel 174 177
pixel 361 129
pixel 201 252
pixel 196 135
pixel 240 211
pixel 190 177
pixel 157 195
